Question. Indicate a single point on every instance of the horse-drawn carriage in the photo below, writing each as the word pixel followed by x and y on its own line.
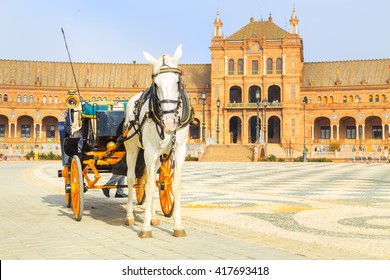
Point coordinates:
pixel 146 135
pixel 95 148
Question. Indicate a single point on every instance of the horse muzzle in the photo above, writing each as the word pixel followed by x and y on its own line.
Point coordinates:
pixel 169 124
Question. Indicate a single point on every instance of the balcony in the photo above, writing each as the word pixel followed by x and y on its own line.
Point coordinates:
pixel 253 105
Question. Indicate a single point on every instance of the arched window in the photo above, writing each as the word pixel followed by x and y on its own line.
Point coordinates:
pixel 269 66
pixel 19 98
pixel 200 101
pixel 345 99
pixel 44 99
pixel 377 98
pixel 357 98
pixel 5 97
pixel 240 67
pixel 25 98
pixel 56 99
pixel 231 67
pixel 350 99
pixel 31 99
pixel 1 98
pixel 383 98
pixel 370 98
pixel 255 67
pixel 319 99
pixel 279 66
pixel 325 99
pixel 50 100
pixel 331 100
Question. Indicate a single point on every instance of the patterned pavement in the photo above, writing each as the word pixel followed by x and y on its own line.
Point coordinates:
pixel 263 210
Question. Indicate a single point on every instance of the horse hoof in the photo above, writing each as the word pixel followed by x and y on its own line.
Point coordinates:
pixel 129 222
pixel 145 234
pixel 155 222
pixel 179 233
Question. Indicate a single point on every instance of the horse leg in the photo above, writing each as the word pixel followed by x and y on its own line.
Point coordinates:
pixel 131 158
pixel 155 221
pixel 178 229
pixel 146 231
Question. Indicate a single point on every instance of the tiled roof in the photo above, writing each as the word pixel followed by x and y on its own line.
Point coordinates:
pixel 96 75
pixel 260 29
pixel 349 73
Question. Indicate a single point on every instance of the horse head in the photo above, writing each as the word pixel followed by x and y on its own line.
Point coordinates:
pixel 167 87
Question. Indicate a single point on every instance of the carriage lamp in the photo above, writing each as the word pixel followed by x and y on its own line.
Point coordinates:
pixel 72 101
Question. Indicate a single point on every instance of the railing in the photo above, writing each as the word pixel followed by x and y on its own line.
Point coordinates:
pixel 253 105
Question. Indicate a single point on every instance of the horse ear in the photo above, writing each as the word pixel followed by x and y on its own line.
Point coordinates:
pixel 150 58
pixel 178 53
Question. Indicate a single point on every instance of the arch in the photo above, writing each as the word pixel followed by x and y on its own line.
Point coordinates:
pixel 5 97
pixel 50 127
pixel 376 97
pixel 19 98
pixel 31 98
pixel 252 94
pixel 373 128
pixel 252 127
pixel 273 131
pixel 195 129
pixel 322 128
pixel 3 126
pixel 331 99
pixel 325 99
pixel 370 98
pixel 274 94
pixel 235 129
pixel 235 94
pixel 345 99
pixel 24 126
pixel 350 99
pixel 25 98
pixel 348 128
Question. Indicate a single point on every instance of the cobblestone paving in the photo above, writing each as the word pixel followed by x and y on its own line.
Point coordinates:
pixel 263 210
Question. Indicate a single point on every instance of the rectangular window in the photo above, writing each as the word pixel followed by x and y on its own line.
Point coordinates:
pixel 325 132
pixel 2 130
pixel 377 132
pixel 25 131
pixel 351 132
pixel 255 67
pixel 50 131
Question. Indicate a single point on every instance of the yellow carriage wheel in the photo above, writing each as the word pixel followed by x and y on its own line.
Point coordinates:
pixel 76 188
pixel 140 190
pixel 65 175
pixel 166 194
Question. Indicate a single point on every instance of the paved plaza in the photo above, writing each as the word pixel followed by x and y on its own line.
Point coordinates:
pixel 261 210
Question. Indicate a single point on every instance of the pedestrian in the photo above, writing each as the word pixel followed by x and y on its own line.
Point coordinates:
pixel 115 180
pixel 118 178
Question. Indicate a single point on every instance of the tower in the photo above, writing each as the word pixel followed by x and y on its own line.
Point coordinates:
pixel 294 22
pixel 217 26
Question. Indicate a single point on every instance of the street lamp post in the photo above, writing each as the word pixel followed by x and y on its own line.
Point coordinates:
pixel 257 114
pixel 204 117
pixel 265 103
pixel 304 129
pixel 218 105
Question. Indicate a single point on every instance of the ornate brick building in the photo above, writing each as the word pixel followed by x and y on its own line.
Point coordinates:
pixel 255 87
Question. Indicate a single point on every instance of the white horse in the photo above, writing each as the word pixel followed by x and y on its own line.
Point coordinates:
pixel 155 121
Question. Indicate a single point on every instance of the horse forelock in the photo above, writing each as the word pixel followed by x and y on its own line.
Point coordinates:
pixel 164 61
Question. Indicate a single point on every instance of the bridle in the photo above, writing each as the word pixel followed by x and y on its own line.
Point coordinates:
pixel 156 112
pixel 155 104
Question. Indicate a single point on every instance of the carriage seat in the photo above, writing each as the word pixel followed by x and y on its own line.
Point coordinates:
pixel 109 126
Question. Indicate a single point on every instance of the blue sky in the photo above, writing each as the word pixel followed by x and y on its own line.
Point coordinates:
pixel 117 31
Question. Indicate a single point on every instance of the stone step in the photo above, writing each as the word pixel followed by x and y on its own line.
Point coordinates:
pixel 228 153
